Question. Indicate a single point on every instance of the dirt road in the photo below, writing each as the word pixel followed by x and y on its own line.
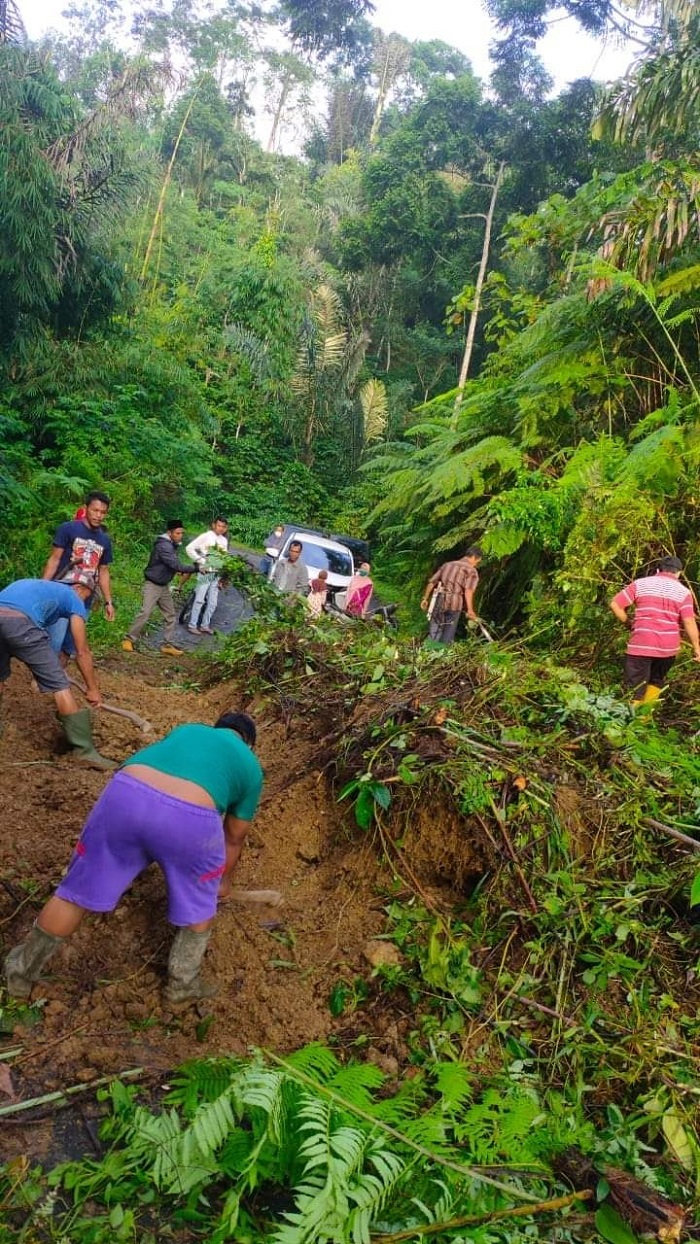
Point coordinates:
pixel 102 1009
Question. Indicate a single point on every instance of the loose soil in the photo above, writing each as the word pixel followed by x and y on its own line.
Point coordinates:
pixel 275 967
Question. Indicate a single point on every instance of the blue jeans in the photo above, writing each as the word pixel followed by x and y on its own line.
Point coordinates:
pixel 206 596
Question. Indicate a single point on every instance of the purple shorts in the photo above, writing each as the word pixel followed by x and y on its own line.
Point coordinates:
pixel 131 826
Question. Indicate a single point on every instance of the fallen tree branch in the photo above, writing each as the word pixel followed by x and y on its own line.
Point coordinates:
pixel 517 1211
pixel 511 851
pixel 672 833
pixel 141 722
pixel 62 1096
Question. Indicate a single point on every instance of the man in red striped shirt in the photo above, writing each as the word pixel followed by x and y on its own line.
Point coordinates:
pixel 662 606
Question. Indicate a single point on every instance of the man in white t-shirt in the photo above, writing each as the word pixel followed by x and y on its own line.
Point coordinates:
pixel 209 551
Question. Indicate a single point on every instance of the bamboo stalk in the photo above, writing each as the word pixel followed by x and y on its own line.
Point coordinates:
pixel 7 1054
pixel 517 1211
pixel 164 188
pixel 61 1096
pixel 471 1172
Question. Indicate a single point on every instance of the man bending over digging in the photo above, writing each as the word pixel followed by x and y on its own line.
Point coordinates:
pixel 185 802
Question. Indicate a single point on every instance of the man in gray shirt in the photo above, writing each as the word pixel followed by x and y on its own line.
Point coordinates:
pixel 290 574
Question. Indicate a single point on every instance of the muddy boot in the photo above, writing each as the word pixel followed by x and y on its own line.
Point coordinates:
pixel 186 954
pixel 24 963
pixel 78 730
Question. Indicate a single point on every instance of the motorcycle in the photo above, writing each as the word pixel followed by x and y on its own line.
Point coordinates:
pixel 383 615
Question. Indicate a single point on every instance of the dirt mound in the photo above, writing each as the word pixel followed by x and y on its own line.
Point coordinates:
pixel 275 967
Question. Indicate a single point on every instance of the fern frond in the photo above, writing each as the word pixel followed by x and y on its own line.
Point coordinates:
pixel 454 1083
pixel 355 1083
pixel 315 1060
pixel 200 1080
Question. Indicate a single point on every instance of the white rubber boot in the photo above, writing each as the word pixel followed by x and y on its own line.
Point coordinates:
pixel 184 981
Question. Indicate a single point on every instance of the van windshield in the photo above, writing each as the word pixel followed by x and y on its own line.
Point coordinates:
pixel 332 560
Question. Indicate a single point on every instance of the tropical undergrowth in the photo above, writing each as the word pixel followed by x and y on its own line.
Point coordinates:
pixel 541 904
pixel 543 960
pixel 311 1149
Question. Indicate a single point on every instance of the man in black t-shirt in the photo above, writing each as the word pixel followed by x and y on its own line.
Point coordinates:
pixel 82 551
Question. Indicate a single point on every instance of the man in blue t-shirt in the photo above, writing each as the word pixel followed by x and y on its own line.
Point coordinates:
pixel 82 549
pixel 28 609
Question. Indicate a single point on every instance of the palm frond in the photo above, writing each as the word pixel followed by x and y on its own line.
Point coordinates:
pixel 11 25
pixel 375 406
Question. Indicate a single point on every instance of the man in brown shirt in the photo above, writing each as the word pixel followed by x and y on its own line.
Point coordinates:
pixel 455 584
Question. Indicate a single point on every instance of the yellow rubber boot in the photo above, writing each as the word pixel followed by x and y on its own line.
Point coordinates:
pixel 652 693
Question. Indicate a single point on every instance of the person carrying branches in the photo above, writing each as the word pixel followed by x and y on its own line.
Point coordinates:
pixel 208 551
pixel 163 565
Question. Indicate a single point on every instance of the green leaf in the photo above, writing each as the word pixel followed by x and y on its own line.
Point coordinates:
pixel 610 1225
pixel 381 794
pixel 364 808
pixel 678 1140
pixel 695 891
pixel 338 998
pixel 116 1217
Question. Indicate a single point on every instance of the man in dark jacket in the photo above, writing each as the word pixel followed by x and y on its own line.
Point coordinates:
pixel 162 567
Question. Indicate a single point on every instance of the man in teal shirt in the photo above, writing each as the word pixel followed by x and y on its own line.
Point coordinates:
pixel 185 803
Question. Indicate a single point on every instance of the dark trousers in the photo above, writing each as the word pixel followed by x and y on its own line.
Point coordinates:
pixel 641 671
pixel 443 625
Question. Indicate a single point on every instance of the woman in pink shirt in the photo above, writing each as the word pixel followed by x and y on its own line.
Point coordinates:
pixel 359 592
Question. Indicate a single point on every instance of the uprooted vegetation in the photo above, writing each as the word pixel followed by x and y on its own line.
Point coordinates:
pixel 539 956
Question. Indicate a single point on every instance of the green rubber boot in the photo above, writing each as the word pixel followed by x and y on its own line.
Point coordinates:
pixel 24 963
pixel 184 981
pixel 78 730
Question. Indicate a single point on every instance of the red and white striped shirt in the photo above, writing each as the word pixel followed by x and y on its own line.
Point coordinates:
pixel 661 603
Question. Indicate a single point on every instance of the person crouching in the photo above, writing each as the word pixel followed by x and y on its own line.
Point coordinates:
pixel 185 802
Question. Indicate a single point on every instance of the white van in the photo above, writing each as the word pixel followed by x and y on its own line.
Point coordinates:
pixel 318 553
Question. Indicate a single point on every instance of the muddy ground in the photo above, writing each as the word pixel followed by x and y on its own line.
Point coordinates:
pixel 103 1012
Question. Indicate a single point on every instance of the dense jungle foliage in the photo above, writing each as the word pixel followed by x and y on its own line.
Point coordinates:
pixel 243 267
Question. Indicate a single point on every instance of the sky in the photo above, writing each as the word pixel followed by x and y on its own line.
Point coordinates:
pixel 567 52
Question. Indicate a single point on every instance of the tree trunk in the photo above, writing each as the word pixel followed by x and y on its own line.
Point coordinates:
pixel 307 453
pixel 396 55
pixel 164 190
pixel 473 318
pixel 382 96
pixel 277 118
